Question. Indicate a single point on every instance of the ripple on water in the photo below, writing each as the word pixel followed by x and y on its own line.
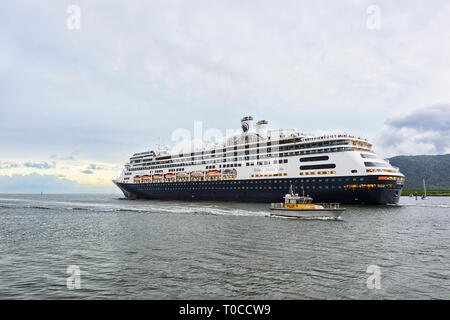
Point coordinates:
pixel 154 249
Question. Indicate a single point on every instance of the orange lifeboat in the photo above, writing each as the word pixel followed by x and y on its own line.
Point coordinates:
pixel 182 174
pixel 213 172
pixel 197 174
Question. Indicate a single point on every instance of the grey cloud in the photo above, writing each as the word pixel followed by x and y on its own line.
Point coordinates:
pixel 94 167
pixel 36 183
pixel 436 117
pixel 8 165
pixel 40 165
pixel 200 58
pixel 29 164
pixel 423 131
pixel 54 156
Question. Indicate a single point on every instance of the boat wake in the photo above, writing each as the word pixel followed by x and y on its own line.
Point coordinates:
pixel 153 208
pixel 212 210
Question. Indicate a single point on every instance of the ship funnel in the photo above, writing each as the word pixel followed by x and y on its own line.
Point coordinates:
pixel 261 128
pixel 247 124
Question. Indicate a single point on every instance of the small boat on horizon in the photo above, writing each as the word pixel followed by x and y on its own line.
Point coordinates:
pixel 424 196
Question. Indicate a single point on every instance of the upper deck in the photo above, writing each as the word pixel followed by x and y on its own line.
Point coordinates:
pixel 264 148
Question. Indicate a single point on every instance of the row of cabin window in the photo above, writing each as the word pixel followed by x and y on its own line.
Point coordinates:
pixel 258 149
pixel 276 181
pixel 247 188
pixel 286 154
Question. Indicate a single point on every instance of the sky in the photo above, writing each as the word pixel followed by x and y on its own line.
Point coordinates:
pixel 82 89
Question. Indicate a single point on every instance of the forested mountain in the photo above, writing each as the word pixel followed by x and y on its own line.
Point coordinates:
pixel 435 169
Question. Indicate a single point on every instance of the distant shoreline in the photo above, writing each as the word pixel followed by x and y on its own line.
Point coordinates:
pixel 431 193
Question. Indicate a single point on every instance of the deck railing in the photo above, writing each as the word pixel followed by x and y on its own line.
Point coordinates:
pixel 329 205
pixel 278 205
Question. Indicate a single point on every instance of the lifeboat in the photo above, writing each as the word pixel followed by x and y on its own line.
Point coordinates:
pixel 169 175
pixel 213 172
pixel 182 174
pixel 157 176
pixel 197 174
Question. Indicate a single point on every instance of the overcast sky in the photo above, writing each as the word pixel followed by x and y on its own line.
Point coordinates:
pixel 76 103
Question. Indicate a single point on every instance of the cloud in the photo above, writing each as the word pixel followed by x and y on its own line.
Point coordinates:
pixel 423 131
pixel 40 165
pixel 36 183
pixel 83 171
pixel 195 59
pixel 435 118
pixel 36 165
pixel 54 156
pixel 93 166
pixel 8 165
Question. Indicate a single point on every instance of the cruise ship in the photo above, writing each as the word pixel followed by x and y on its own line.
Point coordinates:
pixel 260 165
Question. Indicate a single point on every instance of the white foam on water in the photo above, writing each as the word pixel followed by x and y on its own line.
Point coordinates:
pixel 137 207
pixel 310 218
pixel 214 210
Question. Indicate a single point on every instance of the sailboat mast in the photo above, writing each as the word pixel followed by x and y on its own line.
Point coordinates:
pixel 424 188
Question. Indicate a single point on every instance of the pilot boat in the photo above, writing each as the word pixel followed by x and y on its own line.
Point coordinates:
pixel 296 206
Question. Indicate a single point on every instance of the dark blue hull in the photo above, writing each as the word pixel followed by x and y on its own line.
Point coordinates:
pixel 271 190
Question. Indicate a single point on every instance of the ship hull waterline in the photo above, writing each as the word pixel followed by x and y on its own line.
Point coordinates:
pixel 270 192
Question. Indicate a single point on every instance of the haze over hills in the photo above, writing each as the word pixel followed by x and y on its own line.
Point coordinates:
pixel 434 168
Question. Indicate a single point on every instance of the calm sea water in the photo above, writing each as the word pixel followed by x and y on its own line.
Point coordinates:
pixel 205 250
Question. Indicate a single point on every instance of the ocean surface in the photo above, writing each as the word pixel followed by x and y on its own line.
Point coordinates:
pixel 138 249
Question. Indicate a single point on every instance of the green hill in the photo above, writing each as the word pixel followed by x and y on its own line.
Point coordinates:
pixel 435 169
